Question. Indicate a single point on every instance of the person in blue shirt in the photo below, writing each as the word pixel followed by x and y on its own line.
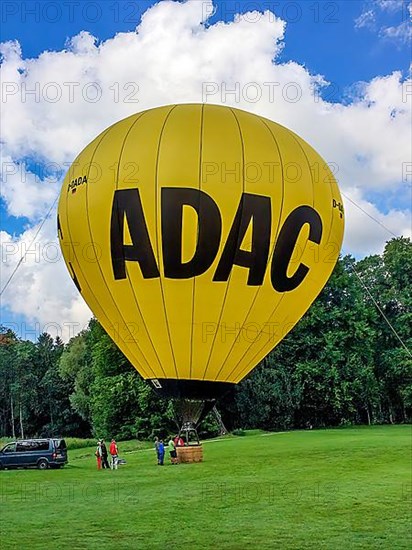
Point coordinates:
pixel 160 453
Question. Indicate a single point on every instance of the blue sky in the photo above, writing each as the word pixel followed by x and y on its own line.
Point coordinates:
pixel 347 42
pixel 320 34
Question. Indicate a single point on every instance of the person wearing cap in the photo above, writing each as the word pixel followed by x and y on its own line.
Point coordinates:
pixel 114 453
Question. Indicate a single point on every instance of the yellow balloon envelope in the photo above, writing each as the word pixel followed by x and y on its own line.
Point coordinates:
pixel 199 235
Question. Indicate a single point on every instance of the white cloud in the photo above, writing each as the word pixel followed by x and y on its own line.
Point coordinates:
pixel 391 5
pixel 27 193
pixel 374 14
pixel 367 233
pixel 401 32
pixel 41 291
pixel 367 19
pixel 170 59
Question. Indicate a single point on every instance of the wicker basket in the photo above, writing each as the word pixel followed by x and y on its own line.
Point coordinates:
pixel 191 453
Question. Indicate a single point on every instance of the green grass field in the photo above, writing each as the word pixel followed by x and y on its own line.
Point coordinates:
pixel 335 489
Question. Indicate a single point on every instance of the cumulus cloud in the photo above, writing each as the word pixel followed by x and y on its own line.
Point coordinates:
pixel 40 291
pixel 367 229
pixel 28 193
pixel 56 103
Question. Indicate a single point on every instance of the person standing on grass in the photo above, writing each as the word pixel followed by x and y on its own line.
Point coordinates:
pixel 161 453
pixel 157 445
pixel 105 463
pixel 114 452
pixel 98 455
pixel 172 451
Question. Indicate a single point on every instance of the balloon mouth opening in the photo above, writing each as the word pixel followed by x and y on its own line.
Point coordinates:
pixel 191 412
pixel 188 415
pixel 201 390
pixel 192 401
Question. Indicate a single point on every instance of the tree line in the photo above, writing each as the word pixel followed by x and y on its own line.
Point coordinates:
pixel 348 361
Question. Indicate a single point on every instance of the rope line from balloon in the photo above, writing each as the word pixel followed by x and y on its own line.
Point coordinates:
pixel 381 311
pixel 369 215
pixel 30 245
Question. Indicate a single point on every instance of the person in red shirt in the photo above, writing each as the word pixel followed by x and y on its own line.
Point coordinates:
pixel 114 452
pixel 178 441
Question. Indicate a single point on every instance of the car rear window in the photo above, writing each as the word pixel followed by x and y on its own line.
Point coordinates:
pixel 60 444
pixel 41 445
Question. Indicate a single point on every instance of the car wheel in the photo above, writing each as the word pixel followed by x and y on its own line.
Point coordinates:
pixel 42 465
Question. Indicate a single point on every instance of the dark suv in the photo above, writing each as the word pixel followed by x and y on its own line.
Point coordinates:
pixel 43 453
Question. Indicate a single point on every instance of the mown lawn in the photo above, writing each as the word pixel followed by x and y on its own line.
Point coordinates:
pixel 332 489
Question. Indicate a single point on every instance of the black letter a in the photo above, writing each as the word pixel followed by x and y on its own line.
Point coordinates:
pixel 127 203
pixel 257 209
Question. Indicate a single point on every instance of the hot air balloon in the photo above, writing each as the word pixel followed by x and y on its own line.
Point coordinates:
pixel 199 235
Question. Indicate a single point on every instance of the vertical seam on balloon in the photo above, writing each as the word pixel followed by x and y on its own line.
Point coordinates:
pixel 231 271
pixel 127 271
pixel 274 245
pixel 194 278
pixel 101 271
pixel 313 187
pixel 313 201
pixel 70 236
pixel 157 237
pixel 269 258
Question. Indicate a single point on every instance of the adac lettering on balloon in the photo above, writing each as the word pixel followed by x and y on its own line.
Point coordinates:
pixel 75 183
pixel 252 209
